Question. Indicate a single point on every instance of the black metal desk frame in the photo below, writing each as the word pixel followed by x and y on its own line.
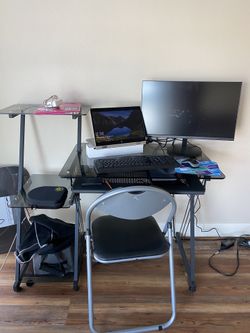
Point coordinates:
pixel 189 263
pixel 29 109
pixel 77 166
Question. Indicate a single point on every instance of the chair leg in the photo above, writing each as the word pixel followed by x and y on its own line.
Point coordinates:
pixel 172 279
pixel 163 326
pixel 89 283
pixel 138 329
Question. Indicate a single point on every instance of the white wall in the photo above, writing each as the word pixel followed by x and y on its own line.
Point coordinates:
pixel 98 52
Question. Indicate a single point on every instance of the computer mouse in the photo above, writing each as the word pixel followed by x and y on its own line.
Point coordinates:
pixel 191 162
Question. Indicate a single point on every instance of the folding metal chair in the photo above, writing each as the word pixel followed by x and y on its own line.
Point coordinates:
pixel 127 231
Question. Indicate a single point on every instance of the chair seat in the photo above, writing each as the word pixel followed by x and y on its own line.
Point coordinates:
pixel 117 239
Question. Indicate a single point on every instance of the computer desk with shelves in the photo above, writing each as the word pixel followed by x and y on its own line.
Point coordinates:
pixel 18 202
pixel 79 168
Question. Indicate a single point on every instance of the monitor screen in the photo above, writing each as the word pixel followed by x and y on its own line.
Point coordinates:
pixel 186 109
pixel 118 125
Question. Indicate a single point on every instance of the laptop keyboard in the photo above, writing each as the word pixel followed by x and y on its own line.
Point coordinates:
pixel 133 163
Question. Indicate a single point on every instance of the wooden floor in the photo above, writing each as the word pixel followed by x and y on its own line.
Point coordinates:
pixel 133 294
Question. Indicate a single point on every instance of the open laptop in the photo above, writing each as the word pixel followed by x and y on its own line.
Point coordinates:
pixel 115 126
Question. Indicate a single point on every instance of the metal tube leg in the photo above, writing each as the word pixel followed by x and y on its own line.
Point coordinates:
pixel 189 262
pixel 89 283
pixel 79 133
pixel 172 279
pixel 192 282
pixel 21 154
pixel 76 244
pixel 16 286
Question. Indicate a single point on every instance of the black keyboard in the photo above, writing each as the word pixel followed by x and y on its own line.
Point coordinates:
pixel 133 163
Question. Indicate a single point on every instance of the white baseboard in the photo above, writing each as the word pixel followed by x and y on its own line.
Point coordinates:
pixel 233 227
pixel 224 230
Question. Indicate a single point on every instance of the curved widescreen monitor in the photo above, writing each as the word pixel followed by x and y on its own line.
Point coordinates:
pixel 190 109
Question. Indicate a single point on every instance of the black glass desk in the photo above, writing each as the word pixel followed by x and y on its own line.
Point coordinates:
pixel 80 169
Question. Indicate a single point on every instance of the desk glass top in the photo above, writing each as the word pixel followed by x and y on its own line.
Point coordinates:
pixel 81 168
pixel 80 165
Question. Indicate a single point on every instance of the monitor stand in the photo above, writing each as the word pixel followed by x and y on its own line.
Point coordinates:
pixel 184 149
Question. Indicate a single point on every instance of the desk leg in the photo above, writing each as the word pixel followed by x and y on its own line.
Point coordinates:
pixel 17 282
pixel 192 283
pixel 18 275
pixel 77 238
pixel 79 133
pixel 189 264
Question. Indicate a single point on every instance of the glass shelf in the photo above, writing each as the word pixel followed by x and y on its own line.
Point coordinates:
pixel 33 109
pixel 37 180
pixel 16 109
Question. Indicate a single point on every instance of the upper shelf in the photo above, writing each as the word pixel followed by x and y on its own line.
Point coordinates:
pixel 69 109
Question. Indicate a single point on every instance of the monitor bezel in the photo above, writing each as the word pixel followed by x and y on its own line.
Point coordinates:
pixel 196 137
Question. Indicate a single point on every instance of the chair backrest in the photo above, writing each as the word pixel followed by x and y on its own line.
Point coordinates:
pixel 133 202
pixel 9 180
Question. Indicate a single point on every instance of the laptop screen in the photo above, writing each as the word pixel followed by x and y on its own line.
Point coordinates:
pixel 117 125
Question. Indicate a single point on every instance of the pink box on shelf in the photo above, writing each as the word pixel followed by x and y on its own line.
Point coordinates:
pixel 64 108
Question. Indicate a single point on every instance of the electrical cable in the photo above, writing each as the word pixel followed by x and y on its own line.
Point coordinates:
pixel 3 220
pixel 240 241
pixel 185 220
pixel 13 241
pixel 207 230
pixel 216 269
pixel 7 255
pixel 198 226
pixel 162 143
pixel 188 142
